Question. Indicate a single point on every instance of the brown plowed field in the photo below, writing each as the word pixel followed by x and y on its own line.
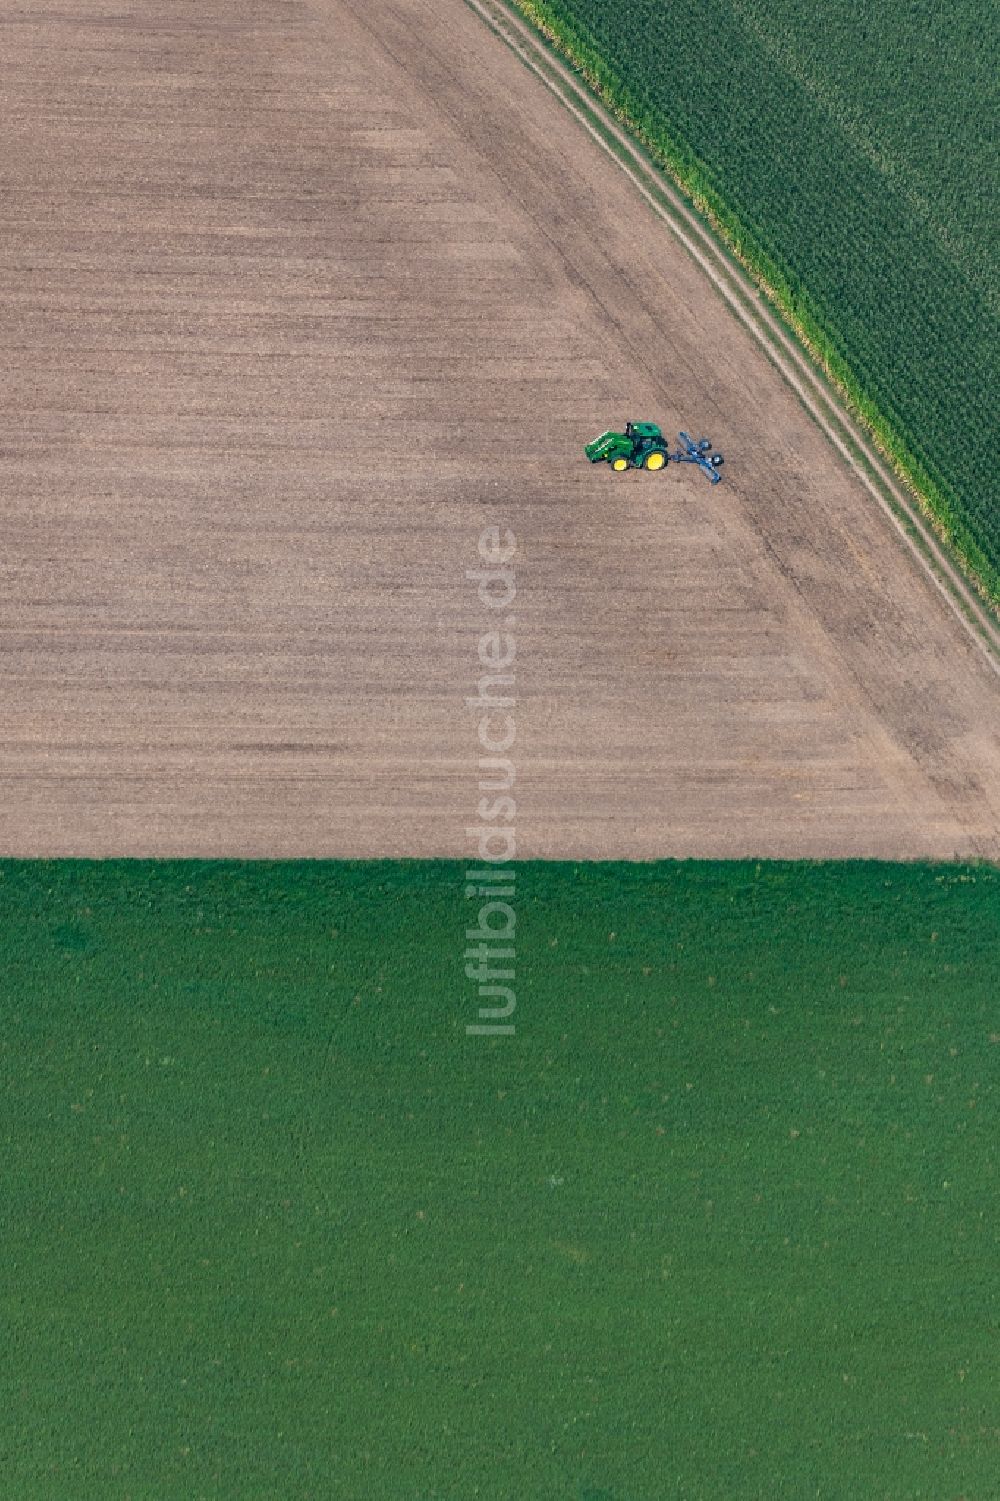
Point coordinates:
pixel 297 298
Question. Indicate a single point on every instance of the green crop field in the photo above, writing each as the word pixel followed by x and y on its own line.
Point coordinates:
pixel 718 1221
pixel 848 152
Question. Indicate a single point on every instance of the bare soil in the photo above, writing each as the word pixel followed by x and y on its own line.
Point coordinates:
pixel 297 299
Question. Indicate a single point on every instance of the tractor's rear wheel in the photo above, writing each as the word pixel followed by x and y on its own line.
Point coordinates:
pixel 619 465
pixel 655 460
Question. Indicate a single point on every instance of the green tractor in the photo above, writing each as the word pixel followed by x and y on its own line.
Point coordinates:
pixel 640 446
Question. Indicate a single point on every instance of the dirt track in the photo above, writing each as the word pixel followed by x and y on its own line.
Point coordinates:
pixel 295 300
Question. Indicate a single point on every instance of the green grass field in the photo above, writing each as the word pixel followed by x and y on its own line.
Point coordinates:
pixel 719 1221
pixel 848 152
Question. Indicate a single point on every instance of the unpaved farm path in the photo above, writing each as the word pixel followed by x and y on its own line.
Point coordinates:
pixel 295 300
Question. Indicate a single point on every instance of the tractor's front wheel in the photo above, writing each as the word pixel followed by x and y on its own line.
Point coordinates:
pixel 619 465
pixel 655 460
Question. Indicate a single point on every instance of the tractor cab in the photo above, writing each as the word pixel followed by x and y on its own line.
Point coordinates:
pixel 643 431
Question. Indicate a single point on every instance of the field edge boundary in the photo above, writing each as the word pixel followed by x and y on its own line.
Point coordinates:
pixel 825 403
